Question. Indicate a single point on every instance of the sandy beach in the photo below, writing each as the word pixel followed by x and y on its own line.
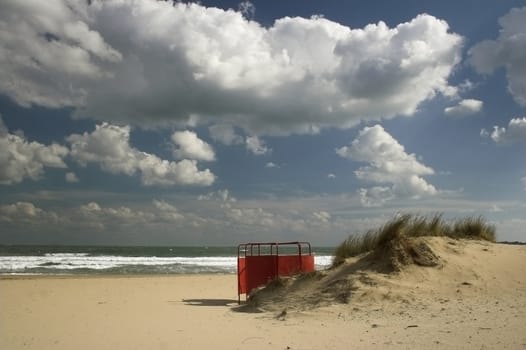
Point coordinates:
pixel 477 300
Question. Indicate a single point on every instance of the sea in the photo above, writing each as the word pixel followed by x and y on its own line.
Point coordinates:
pixel 97 260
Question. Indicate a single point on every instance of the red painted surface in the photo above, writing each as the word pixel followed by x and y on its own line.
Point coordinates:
pixel 289 265
pixel 256 269
pixel 241 276
pixel 260 270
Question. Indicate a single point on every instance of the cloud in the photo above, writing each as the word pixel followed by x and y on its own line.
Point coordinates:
pixel 26 213
pixel 192 147
pixel 507 51
pixel 226 211
pixel 331 176
pixel 375 196
pixel 216 221
pixel 226 196
pixel 516 132
pixel 198 65
pixel 251 217
pixel 50 54
pixel 90 216
pixel 21 159
pixel 71 177
pixel 388 163
pixel 225 134
pixel 322 216
pixel 466 86
pixel 464 108
pixel 255 145
pixel 96 216
pixel 109 146
pixel 495 209
pixel 221 195
pixel 167 212
pixel 271 165
pixel 247 9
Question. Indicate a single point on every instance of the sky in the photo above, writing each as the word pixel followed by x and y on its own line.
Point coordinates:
pixel 220 122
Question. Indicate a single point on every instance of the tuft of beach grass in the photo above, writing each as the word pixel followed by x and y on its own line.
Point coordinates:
pixel 407 226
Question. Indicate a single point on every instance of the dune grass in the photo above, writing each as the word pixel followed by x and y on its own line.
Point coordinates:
pixel 407 226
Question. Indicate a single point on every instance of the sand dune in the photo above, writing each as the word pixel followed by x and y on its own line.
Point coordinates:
pixel 475 298
pixel 463 268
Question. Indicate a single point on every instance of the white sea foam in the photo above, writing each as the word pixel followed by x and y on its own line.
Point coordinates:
pixel 322 261
pixel 74 262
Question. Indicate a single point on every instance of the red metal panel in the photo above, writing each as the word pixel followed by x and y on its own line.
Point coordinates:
pixel 289 265
pixel 307 263
pixel 260 263
pixel 260 270
pixel 241 276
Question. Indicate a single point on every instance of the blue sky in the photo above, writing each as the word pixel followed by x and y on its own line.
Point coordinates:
pixel 220 122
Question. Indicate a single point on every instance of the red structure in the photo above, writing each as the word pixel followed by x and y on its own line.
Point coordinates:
pixel 260 263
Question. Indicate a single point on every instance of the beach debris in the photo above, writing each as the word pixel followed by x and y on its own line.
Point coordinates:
pixel 281 316
pixel 250 339
pixel 412 326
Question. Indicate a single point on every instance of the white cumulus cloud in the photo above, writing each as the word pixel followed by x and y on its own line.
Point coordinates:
pixel 507 51
pixel 109 146
pixel 375 196
pixel 99 217
pixel 515 132
pixel 322 216
pixel 71 177
pixel 195 64
pixel 21 159
pixel 167 212
pixel 221 195
pixel 388 163
pixel 252 217
pixel 190 146
pixel 464 108
pixel 257 146
pixel 26 213
pixel 247 9
pixel 50 52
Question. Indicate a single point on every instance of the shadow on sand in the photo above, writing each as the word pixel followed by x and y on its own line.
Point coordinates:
pixel 231 303
pixel 210 302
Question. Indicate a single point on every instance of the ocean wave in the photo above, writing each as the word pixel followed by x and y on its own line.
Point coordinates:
pixel 83 263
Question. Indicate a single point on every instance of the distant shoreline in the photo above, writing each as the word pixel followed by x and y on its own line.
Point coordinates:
pixel 512 243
